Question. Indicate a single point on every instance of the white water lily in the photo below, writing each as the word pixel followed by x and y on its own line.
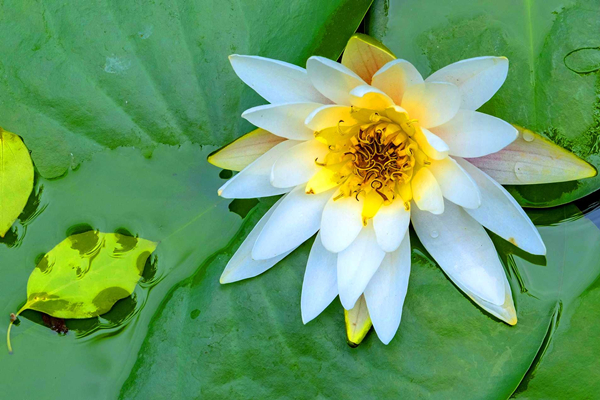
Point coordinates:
pixel 361 150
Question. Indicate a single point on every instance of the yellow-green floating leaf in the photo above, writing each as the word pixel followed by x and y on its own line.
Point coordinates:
pixel 358 322
pixel 85 275
pixel 16 178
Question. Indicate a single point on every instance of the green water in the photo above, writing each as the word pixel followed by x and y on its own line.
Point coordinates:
pixel 169 197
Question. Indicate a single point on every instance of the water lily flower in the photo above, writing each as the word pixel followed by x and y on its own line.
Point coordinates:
pixel 364 148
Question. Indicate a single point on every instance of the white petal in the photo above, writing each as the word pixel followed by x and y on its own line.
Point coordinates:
pixel 320 281
pixel 474 134
pixel 456 184
pixel 298 165
pixel 241 265
pixel 431 144
pixel 394 77
pixel 356 265
pixel 285 120
pixel 386 291
pixel 329 116
pixel 341 223
pixel 295 220
pixel 255 180
pixel 463 250
pixel 501 214
pixel 366 96
pixel 276 81
pixel 391 224
pixel 477 78
pixel 427 193
pixel 432 104
pixel 332 79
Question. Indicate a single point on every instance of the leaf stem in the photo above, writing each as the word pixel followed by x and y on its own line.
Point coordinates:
pixel 12 322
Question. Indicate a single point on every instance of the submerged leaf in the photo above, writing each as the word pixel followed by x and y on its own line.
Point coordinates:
pixel 238 154
pixel 358 322
pixel 85 275
pixel 16 178
pixel 532 159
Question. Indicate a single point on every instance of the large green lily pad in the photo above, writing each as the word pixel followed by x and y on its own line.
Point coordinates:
pixel 553 85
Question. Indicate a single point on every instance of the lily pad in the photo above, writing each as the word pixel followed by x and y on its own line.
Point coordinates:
pixel 553 82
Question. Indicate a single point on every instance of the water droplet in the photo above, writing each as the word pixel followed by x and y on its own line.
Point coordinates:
pixel 528 136
pixel 434 234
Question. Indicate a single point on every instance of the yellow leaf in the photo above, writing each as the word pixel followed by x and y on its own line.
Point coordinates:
pixel 358 322
pixel 16 178
pixel 365 56
pixel 85 275
pixel 532 159
pixel 238 154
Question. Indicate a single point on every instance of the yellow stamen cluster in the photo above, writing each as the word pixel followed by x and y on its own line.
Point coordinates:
pixel 373 157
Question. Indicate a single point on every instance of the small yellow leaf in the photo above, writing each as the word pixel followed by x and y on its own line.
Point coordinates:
pixel 532 159
pixel 358 322
pixel 238 154
pixel 16 178
pixel 85 275
pixel 365 56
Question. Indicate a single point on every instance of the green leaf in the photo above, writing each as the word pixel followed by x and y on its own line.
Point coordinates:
pixel 444 337
pixel 138 73
pixel 553 85
pixel 85 275
pixel 16 179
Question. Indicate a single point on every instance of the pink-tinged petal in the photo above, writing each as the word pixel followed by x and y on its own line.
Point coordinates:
pixel 365 56
pixel 276 81
pixel 532 159
pixel 243 151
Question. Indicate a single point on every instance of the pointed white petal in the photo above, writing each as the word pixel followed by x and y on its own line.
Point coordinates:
pixel 341 223
pixel 255 180
pixel 501 214
pixel 463 250
pixel 298 165
pixel 474 134
pixel 356 265
pixel 295 220
pixel 366 96
pixel 329 116
pixel 456 184
pixel 427 193
pixel 391 224
pixel 394 77
pixel 432 104
pixel 431 144
pixel 276 81
pixel 332 79
pixel 506 312
pixel 242 266
pixel 285 120
pixel 386 291
pixel 320 281
pixel 478 79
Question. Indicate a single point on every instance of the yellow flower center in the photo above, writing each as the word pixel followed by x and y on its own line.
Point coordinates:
pixel 373 157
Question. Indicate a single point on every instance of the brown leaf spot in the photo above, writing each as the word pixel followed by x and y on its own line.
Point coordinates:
pixel 56 324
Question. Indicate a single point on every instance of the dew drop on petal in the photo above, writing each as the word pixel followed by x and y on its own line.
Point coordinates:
pixel 434 234
pixel 528 136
